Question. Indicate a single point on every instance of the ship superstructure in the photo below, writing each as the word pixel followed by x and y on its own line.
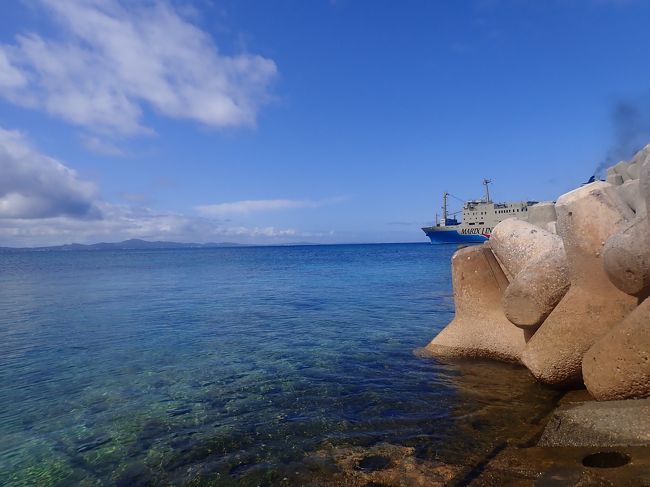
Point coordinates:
pixel 478 218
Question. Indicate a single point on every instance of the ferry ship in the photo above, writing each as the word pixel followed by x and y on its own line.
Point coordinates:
pixel 478 218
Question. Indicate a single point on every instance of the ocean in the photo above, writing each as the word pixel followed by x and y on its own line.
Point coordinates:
pixel 242 366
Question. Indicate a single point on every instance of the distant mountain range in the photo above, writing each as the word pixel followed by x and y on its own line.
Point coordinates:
pixel 139 244
pixel 132 244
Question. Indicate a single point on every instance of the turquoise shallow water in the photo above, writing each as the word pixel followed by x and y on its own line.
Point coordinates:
pixel 229 366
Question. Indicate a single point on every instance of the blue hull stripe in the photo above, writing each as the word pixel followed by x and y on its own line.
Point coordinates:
pixel 454 237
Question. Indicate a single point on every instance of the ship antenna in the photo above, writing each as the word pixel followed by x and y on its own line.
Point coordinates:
pixel 486 183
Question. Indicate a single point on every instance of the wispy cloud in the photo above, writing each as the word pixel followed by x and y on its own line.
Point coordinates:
pixel 246 207
pixel 402 223
pixel 111 59
pixel 44 202
pixel 139 198
pixel 33 185
pixel 121 222
pixel 101 146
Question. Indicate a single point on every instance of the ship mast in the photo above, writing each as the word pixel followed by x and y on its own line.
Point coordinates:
pixel 486 183
pixel 444 208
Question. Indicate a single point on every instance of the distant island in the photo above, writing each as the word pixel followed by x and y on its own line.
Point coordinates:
pixel 137 244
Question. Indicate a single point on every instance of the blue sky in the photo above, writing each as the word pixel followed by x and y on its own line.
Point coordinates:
pixel 321 121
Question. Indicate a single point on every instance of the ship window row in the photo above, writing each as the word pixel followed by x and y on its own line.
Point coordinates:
pixel 512 211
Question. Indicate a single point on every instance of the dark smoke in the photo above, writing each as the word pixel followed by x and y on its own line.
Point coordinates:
pixel 631 123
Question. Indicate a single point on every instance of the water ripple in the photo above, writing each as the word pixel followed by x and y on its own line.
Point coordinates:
pixel 232 365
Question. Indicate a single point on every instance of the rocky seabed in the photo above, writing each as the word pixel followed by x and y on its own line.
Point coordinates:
pixel 564 293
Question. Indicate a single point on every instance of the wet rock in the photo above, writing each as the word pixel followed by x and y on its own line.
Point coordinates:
pixel 373 463
pixel 618 365
pixel 479 328
pixel 240 468
pixel 135 475
pixel 563 466
pixel 179 411
pixel 399 467
pixel 599 424
pixel 536 261
pixel 587 217
pixel 606 459
pixel 95 443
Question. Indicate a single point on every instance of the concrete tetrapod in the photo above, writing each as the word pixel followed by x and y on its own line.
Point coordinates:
pixel 630 192
pixel 537 289
pixel 622 168
pixel 626 254
pixel 637 162
pixel 618 365
pixel 536 262
pixel 644 180
pixel 515 242
pixel 479 328
pixel 626 258
pixel 587 217
pixel 542 214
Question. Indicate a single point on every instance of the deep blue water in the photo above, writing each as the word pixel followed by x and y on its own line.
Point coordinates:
pixel 230 366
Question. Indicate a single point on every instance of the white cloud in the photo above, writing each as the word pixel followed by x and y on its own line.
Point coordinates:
pixel 44 202
pixel 250 206
pixel 33 185
pixel 10 77
pixel 114 58
pixel 246 207
pixel 125 222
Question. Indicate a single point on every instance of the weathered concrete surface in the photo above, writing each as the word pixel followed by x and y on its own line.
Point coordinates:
pixel 536 263
pixel 562 466
pixel 644 180
pixel 537 289
pixel 626 258
pixel 621 168
pixel 613 178
pixel 587 217
pixel 631 194
pixel 577 428
pixel 618 365
pixel 479 328
pixel 542 214
pixel 601 424
pixel 515 242
pixel 627 254
pixel 640 158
